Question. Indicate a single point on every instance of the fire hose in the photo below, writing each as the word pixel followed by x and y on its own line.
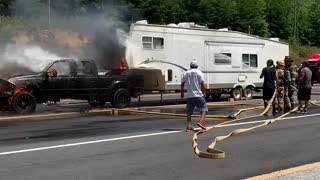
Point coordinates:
pixel 212 152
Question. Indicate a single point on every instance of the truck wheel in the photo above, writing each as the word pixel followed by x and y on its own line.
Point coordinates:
pixel 236 93
pixel 248 93
pixel 96 103
pixel 24 103
pixel 121 98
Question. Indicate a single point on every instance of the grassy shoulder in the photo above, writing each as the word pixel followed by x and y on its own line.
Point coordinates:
pixel 300 52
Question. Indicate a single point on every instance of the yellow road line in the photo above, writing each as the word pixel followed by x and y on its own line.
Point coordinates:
pixel 285 172
pixel 48 115
pixel 173 114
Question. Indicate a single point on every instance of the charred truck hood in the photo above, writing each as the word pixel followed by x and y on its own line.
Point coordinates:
pixel 26 79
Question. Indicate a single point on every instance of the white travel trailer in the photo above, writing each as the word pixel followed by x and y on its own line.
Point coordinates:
pixel 231 61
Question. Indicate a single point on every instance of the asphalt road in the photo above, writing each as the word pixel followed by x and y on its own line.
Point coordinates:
pixel 150 147
pixel 101 146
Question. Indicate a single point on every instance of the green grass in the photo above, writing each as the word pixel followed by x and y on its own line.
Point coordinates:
pixel 299 52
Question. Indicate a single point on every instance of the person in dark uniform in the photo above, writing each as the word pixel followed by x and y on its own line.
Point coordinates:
pixel 269 83
pixel 304 86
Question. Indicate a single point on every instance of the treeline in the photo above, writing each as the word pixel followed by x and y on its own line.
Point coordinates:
pixel 291 20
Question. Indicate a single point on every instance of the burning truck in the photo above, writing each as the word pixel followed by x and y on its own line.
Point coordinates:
pixel 69 78
pixel 107 78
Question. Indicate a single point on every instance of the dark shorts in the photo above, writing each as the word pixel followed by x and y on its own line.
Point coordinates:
pixel 198 102
pixel 268 93
pixel 304 94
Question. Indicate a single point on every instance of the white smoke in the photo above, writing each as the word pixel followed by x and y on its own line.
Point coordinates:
pixel 32 57
pixel 134 54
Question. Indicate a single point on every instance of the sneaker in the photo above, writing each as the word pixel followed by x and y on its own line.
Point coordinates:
pixel 266 114
pixel 201 124
pixel 305 111
pixel 189 129
pixel 301 110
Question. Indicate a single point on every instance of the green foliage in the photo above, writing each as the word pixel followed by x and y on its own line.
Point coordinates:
pixel 251 17
pixel 299 52
pixel 280 18
pixel 12 24
pixel 267 18
pixel 218 13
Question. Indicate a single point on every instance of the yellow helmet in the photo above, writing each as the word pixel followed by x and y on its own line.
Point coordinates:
pixel 280 63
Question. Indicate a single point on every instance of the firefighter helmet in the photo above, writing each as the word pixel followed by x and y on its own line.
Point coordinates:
pixel 280 63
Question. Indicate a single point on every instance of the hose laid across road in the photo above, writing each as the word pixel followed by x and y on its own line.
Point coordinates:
pixel 212 152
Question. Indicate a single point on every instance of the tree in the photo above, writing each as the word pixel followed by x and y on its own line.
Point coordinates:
pixel 280 18
pixel 251 17
pixel 5 7
pixel 218 13
pixel 312 31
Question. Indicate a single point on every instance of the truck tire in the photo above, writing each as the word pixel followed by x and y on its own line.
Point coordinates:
pixel 121 98
pixel 236 93
pixel 248 93
pixel 24 103
pixel 96 103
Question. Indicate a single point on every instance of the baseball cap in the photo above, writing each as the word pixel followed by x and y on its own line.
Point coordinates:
pixel 194 64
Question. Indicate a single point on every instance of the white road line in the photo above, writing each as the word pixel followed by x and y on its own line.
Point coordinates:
pixel 137 136
pixel 85 143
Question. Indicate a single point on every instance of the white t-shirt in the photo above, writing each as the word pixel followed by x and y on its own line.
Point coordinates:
pixel 193 79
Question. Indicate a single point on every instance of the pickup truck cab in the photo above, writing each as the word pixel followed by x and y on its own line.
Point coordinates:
pixel 314 64
pixel 73 79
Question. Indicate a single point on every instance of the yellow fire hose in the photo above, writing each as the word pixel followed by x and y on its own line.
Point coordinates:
pixel 212 152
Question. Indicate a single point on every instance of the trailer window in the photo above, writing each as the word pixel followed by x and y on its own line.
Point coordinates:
pixel 222 58
pixel 249 61
pixel 158 43
pixel 147 42
pixel 253 60
pixel 152 42
pixel 169 74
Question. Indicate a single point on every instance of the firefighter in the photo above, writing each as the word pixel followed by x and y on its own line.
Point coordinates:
pixel 269 75
pixel 290 73
pixel 279 101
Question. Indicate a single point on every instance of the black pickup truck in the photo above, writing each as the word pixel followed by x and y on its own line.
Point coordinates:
pixel 69 79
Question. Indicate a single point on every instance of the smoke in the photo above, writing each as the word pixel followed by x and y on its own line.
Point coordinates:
pixel 73 30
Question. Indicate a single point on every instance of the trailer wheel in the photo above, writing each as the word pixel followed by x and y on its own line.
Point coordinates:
pixel 96 103
pixel 236 93
pixel 248 93
pixel 121 98
pixel 24 103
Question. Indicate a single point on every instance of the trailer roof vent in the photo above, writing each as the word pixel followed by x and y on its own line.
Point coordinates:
pixel 142 22
pixel 184 25
pixel 172 25
pixel 223 29
pixel 275 39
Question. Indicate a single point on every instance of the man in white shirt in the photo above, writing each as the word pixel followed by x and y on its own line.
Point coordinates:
pixel 193 81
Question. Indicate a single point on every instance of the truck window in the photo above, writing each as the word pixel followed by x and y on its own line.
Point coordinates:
pixel 249 61
pixel 147 42
pixel 85 69
pixel 62 68
pixel 158 43
pixel 222 58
